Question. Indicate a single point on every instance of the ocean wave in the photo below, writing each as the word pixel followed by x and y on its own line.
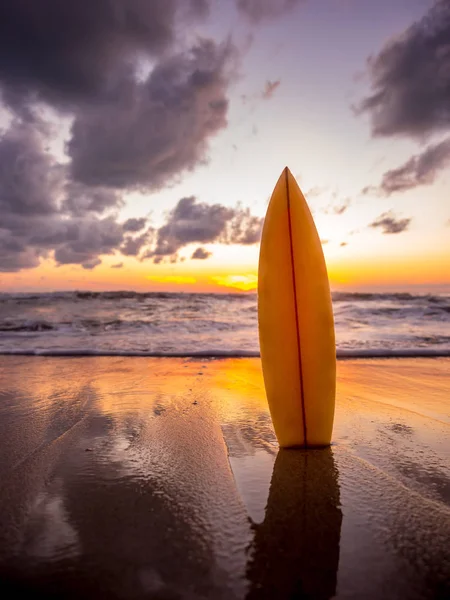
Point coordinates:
pixel 236 296
pixel 394 297
pixel 340 354
pixel 181 323
pixel 31 326
pixel 186 322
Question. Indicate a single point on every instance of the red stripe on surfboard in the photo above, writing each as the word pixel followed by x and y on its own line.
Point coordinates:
pixel 297 327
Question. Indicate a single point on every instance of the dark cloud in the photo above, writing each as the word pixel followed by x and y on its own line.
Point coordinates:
pixel 29 185
pixel 153 130
pixel 86 239
pixel 92 263
pixel 189 222
pixel 29 178
pixel 269 89
pixel 419 170
pixel 141 114
pixel 70 51
pixel 201 254
pixel 411 78
pixel 15 256
pixel 244 228
pixel 42 214
pixel 388 223
pixel 135 225
pixel 197 222
pixel 132 246
pixel 259 10
pixel 81 199
pixel 117 266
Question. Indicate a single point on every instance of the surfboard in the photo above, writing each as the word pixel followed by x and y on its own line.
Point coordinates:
pixel 296 325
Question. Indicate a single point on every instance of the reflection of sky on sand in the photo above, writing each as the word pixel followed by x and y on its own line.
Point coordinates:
pixel 247 431
pixel 252 475
pixel 51 536
pixel 162 478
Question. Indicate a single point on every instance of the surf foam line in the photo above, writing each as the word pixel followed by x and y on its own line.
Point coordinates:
pixel 340 354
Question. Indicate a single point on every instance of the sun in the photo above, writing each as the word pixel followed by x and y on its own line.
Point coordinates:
pixel 246 283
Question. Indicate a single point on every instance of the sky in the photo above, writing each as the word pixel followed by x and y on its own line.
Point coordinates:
pixel 140 140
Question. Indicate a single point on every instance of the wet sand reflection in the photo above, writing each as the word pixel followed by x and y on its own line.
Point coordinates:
pixel 295 551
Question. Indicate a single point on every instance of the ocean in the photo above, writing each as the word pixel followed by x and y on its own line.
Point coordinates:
pixel 168 324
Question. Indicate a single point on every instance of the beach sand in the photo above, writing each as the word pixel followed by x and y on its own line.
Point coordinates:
pixel 162 478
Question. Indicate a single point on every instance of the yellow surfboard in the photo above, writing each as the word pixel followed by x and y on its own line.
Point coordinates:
pixel 296 325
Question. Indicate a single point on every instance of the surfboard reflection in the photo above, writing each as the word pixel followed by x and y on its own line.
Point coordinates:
pixel 295 551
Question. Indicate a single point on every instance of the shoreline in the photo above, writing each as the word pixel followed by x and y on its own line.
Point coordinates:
pixel 342 354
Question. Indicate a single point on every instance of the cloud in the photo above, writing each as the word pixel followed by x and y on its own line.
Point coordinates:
pixel 421 169
pixel 117 266
pixel 29 185
pixel 315 192
pixel 337 209
pixel 151 131
pixel 135 225
pixel 29 179
pixel 244 228
pixel 201 254
pixel 189 222
pixel 411 79
pixel 269 89
pixel 388 223
pixel 44 214
pixel 68 52
pixel 91 264
pixel 197 222
pixel 81 200
pixel 259 10
pixel 132 246
pixel 86 239
pixel 143 133
pixel 333 207
pixel 143 106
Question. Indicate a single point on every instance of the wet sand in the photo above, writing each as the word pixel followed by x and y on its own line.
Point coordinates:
pixel 161 478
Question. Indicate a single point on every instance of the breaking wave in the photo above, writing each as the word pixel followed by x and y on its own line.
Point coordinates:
pixel 128 323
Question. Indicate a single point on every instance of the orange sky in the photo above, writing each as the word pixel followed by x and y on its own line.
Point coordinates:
pixel 352 273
